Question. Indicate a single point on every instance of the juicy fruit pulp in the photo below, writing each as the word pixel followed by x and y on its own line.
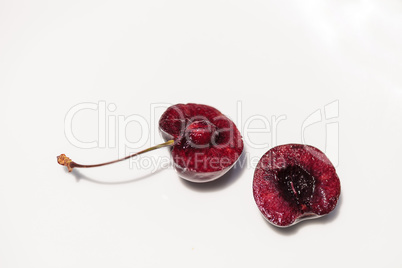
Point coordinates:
pixel 201 132
pixel 207 143
pixel 295 182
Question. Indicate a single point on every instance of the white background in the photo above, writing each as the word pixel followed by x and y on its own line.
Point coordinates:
pixel 273 58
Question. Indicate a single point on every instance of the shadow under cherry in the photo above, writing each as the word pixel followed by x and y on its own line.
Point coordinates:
pixel 79 176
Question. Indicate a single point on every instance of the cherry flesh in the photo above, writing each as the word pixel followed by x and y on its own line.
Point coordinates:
pixel 201 132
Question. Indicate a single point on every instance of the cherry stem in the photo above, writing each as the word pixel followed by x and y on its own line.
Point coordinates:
pixel 65 161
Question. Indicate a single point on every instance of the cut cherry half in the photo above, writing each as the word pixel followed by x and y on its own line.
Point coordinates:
pixel 204 143
pixel 207 143
pixel 295 182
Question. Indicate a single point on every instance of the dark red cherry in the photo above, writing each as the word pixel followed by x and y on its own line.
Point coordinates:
pixel 205 144
pixel 294 182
